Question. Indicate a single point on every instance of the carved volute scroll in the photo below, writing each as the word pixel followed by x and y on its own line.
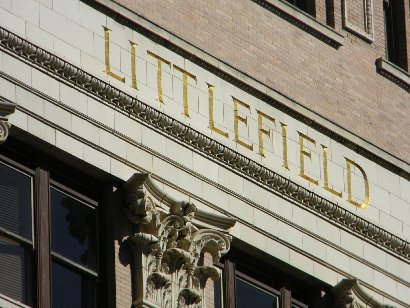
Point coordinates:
pixel 6 108
pixel 167 244
pixel 349 294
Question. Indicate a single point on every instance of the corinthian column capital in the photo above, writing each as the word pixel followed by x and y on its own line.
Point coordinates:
pixel 6 108
pixel 168 245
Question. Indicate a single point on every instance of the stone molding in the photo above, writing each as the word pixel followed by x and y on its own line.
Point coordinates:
pixel 203 144
pixel 393 73
pixel 252 86
pixel 286 11
pixel 6 108
pixel 168 247
pixel 303 21
pixel 348 293
pixel 206 180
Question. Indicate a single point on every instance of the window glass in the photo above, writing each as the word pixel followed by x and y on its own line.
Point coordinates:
pixel 13 274
pixel 70 289
pixel 218 293
pixel 15 201
pixel 248 295
pixel 395 34
pixel 307 6
pixel 73 225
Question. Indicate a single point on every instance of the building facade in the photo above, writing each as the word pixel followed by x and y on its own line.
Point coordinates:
pixel 178 153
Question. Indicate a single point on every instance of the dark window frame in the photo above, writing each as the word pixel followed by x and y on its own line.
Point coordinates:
pixel 395 33
pixel 26 243
pixel 39 280
pixel 307 6
pixel 293 288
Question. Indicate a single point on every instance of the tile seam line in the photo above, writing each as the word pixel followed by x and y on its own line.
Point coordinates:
pixel 273 237
pixel 267 179
pixel 305 113
pixel 251 203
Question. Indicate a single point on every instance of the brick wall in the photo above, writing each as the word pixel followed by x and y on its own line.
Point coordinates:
pixel 355 12
pixel 341 85
pixel 209 296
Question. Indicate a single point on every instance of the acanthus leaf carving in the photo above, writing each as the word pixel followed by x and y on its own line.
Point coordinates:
pixel 139 208
pixel 170 248
pixel 6 108
pixel 348 293
pixel 208 146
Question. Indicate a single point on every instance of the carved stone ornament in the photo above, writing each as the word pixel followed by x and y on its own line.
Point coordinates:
pixel 168 244
pixel 349 294
pixel 6 108
pixel 40 58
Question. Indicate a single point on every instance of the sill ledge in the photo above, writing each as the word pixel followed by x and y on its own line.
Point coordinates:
pixel 303 21
pixel 393 73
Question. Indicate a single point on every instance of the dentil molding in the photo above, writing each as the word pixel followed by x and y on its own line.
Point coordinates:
pixel 207 146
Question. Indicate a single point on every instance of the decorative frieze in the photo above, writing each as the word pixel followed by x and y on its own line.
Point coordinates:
pixel 6 108
pixel 168 247
pixel 202 143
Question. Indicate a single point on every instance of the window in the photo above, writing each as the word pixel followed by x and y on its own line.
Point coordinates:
pixel 16 240
pixel 47 230
pixel 307 6
pixel 249 294
pixel 248 282
pixel 73 249
pixel 395 35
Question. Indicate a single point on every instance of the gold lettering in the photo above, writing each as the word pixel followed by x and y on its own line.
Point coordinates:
pixel 262 131
pixel 134 65
pixel 211 112
pixel 365 204
pixel 284 146
pixel 238 118
pixel 326 173
pixel 160 61
pixel 107 56
pixel 303 153
pixel 185 76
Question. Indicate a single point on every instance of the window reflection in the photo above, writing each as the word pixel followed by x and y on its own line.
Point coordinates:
pixel 249 295
pixel 70 289
pixel 218 299
pixel 73 225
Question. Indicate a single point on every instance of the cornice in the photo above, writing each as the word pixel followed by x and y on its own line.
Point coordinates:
pixel 215 222
pixel 252 86
pixel 303 21
pixel 201 143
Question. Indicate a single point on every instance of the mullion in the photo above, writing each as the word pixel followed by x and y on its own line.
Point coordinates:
pixel 42 236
